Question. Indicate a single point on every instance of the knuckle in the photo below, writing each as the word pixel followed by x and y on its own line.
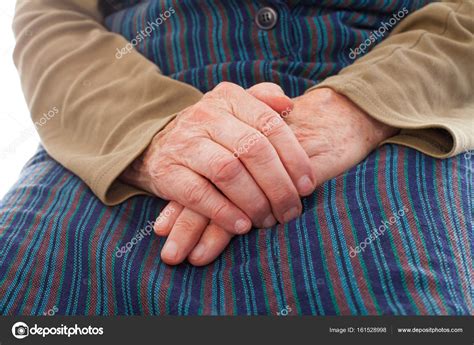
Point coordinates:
pixel 327 95
pixel 269 122
pixel 159 169
pixel 205 112
pixel 225 169
pixel 265 115
pixel 283 196
pixel 195 193
pixel 261 151
pixel 187 224
pixel 200 113
pixel 218 210
pixel 226 87
pixel 260 208
pixel 199 108
pixel 258 88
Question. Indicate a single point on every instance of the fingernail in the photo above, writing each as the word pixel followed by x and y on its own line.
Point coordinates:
pixel 170 250
pixel 269 221
pixel 162 221
pixel 241 226
pixel 305 186
pixel 198 251
pixel 158 229
pixel 291 214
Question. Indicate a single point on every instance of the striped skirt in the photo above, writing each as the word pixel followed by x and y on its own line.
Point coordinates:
pixel 394 235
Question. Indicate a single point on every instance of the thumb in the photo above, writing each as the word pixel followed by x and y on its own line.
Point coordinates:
pixel 272 95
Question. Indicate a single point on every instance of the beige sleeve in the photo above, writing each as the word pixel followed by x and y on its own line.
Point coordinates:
pixel 94 113
pixel 420 79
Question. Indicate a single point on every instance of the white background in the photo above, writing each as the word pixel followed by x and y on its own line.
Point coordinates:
pixel 16 147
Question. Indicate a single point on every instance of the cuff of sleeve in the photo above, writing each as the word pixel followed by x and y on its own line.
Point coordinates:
pixel 433 136
pixel 106 184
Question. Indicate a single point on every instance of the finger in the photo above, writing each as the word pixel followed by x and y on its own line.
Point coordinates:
pixel 183 237
pixel 165 221
pixel 262 162
pixel 211 244
pixel 200 195
pixel 272 95
pixel 258 115
pixel 218 165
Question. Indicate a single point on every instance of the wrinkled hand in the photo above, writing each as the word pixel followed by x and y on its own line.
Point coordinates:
pixel 335 133
pixel 213 159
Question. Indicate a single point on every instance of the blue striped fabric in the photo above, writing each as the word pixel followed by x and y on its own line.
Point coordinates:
pixel 58 245
pixel 205 42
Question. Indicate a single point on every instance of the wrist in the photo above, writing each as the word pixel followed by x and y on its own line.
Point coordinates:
pixel 136 174
pixel 375 131
pixel 140 173
pixel 380 131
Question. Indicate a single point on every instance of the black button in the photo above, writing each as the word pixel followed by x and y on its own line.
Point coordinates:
pixel 266 18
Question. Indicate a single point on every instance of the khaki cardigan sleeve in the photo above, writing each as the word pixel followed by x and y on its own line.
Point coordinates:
pixel 420 79
pixel 107 110
pixel 94 113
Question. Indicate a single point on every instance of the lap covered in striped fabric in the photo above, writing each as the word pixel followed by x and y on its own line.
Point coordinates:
pixel 393 235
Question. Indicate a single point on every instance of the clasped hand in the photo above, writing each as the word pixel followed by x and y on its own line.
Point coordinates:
pixel 239 158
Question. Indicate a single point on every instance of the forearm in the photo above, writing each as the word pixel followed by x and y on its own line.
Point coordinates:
pixel 420 80
pixel 108 109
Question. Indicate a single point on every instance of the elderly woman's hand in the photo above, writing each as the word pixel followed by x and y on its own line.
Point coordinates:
pixel 335 133
pixel 214 159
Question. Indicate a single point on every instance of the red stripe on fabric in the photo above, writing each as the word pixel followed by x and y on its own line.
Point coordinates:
pixel 35 283
pixel 266 275
pixel 330 44
pixel 423 255
pixel 333 271
pixel 406 271
pixel 149 266
pixel 94 277
pixel 312 60
pixel 168 42
pixel 450 228
pixel 276 75
pixel 225 71
pixel 109 253
pixel 350 241
pixel 463 226
pixel 256 72
pixel 183 41
pixel 163 290
pixel 57 269
pixel 224 31
pixel 228 286
pixel 206 299
pixel 286 276
pixel 457 202
pixel 210 25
